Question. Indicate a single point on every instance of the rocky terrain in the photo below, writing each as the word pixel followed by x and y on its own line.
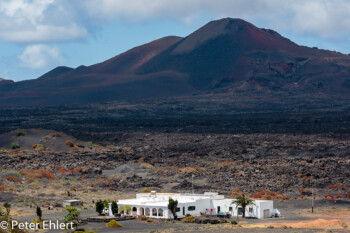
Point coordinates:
pixel 291 164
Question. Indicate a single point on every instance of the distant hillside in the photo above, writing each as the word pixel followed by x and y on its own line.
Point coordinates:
pixel 5 81
pixel 229 57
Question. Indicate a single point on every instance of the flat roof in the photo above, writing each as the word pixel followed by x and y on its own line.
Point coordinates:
pixel 162 199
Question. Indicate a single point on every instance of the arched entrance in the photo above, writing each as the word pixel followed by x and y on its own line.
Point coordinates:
pixel 134 211
pixel 160 212
pixel 147 212
pixel 154 212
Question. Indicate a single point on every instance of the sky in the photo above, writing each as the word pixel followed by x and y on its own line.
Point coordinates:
pixel 39 35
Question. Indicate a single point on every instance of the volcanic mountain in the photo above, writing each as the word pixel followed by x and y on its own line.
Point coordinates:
pixel 225 57
pixel 5 81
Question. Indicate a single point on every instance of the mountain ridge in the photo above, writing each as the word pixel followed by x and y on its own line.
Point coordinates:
pixel 224 57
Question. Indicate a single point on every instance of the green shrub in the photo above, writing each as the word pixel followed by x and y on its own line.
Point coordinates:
pixel 113 224
pixel 189 219
pixel 125 209
pixel 21 134
pixel 234 222
pixel 91 144
pixel 73 214
pixel 39 147
pixel 15 145
pixel 99 206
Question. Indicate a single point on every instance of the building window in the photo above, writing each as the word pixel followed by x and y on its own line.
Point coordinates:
pixel 250 209
pixel 191 208
pixel 240 211
pixel 178 209
pixel 230 208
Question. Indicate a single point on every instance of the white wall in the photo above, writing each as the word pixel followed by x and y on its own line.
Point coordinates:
pixel 264 206
pixel 258 208
pixel 206 204
pixel 200 205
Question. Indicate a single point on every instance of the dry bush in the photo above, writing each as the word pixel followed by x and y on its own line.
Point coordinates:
pixel 348 196
pixel 145 190
pixel 329 196
pixel 13 179
pixel 147 166
pixel 2 188
pixel 199 168
pixel 78 169
pixel 338 186
pixel 37 174
pixel 162 171
pixel 301 197
pixel 228 162
pixel 305 178
pixel 269 195
pixel 30 180
pixel 100 180
pixel 175 168
pixel 259 194
pixel 235 192
pixel 339 195
pixel 55 135
pixel 63 171
pixel 285 198
pixel 188 170
pixel 303 190
pixel 110 146
pixel 141 159
pixel 47 203
pixel 69 143
pixel 83 181
pixel 111 180
pixel 266 197
pixel 189 219
pixel 241 173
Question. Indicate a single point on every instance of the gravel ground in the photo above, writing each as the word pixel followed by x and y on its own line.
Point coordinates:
pixel 260 230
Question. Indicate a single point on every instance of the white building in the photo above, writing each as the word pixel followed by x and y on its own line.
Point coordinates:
pixel 73 203
pixel 155 205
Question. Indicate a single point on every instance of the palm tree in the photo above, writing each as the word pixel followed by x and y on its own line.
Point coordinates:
pixel 243 201
pixel 172 206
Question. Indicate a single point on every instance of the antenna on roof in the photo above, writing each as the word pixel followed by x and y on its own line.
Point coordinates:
pixel 192 184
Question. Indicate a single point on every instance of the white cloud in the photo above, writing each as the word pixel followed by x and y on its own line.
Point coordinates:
pixel 65 20
pixel 324 18
pixel 38 21
pixel 40 56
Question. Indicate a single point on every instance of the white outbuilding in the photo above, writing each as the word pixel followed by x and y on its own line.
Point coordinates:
pixel 155 205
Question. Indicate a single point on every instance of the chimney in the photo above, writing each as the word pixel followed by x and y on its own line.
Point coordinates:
pixel 153 194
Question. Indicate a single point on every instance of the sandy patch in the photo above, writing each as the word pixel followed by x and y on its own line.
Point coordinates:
pixel 331 224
